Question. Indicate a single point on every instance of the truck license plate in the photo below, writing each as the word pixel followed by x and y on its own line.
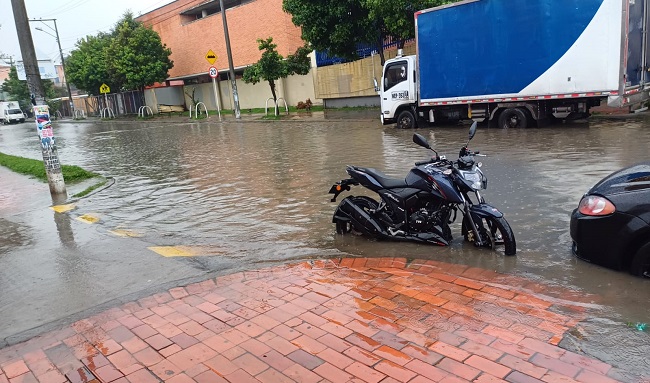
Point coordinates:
pixel 400 95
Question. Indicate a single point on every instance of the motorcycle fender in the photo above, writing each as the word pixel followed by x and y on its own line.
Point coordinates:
pixel 340 187
pixel 349 211
pixel 485 211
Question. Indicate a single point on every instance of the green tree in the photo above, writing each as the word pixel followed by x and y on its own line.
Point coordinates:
pixel 136 57
pixel 86 66
pixel 131 56
pixel 18 91
pixel 338 26
pixel 272 66
pixel 335 26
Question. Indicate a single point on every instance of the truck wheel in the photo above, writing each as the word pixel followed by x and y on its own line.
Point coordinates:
pixel 513 118
pixel 406 120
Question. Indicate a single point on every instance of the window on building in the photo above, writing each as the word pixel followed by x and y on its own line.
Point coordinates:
pixel 209 8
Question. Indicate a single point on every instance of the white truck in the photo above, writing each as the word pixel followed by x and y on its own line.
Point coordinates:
pixel 518 63
pixel 10 112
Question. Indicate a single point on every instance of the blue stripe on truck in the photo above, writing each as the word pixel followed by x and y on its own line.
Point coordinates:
pixel 495 46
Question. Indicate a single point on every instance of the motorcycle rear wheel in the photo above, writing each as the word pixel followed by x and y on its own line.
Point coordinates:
pixel 496 234
pixel 368 205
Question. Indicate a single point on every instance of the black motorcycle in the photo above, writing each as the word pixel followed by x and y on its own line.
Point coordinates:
pixel 421 207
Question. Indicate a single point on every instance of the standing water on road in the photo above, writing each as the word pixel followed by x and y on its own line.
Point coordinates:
pixel 256 193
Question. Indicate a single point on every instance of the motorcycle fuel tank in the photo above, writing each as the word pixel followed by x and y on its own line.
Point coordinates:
pixel 434 182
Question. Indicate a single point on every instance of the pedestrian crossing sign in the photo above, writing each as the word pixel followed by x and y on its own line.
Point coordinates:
pixel 104 89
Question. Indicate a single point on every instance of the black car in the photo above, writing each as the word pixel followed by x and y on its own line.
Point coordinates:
pixel 611 226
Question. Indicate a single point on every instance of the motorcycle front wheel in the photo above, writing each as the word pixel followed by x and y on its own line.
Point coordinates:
pixel 495 233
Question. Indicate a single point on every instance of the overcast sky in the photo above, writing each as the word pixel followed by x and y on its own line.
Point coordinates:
pixel 74 18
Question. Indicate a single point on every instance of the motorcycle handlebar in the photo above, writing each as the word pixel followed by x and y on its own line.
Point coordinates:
pixel 420 163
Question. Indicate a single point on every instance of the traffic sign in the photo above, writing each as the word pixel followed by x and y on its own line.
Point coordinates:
pixel 211 57
pixel 104 89
pixel 213 72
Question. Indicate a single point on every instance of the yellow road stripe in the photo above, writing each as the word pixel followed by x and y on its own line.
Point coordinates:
pixel 63 208
pixel 88 218
pixel 185 251
pixel 125 233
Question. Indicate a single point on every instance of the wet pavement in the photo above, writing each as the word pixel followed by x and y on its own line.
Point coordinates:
pixel 349 320
pixel 201 200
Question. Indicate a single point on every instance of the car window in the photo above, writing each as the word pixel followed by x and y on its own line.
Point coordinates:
pixel 395 73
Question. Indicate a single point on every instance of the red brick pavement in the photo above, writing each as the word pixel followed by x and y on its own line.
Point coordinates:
pixel 350 320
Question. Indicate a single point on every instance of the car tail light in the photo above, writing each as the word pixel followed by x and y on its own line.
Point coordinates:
pixel 596 206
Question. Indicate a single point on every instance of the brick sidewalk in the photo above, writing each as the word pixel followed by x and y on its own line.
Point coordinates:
pixel 350 320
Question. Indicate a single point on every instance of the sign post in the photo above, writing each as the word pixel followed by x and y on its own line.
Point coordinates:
pixel 105 89
pixel 214 73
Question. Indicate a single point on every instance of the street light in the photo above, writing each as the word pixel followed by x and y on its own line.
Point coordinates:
pixel 56 30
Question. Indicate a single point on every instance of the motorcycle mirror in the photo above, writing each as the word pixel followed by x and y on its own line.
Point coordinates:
pixel 472 130
pixel 418 139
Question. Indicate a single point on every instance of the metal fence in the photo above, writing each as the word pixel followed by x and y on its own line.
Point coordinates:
pixel 363 51
pixel 121 104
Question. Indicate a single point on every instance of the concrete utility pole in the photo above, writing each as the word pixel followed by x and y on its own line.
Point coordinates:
pixel 44 126
pixel 233 80
pixel 65 75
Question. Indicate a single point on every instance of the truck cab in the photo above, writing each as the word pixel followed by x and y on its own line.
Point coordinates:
pixel 397 92
pixel 10 112
pixel 13 115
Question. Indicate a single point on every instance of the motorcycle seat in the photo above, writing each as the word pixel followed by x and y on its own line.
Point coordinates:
pixel 384 181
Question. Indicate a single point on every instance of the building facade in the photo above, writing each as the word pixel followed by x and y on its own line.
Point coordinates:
pixel 192 28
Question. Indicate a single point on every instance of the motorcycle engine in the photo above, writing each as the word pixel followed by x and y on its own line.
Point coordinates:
pixel 421 221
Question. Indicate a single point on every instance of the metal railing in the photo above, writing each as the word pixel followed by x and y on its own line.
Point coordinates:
pixel 276 107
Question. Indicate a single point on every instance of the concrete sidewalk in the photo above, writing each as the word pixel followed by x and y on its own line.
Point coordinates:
pixel 350 320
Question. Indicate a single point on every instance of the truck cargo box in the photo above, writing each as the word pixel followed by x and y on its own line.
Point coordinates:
pixel 486 50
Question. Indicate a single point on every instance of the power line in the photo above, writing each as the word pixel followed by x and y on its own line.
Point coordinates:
pixel 69 8
pixel 61 6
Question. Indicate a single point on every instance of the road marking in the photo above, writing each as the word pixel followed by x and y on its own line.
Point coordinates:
pixel 63 208
pixel 88 218
pixel 125 233
pixel 185 251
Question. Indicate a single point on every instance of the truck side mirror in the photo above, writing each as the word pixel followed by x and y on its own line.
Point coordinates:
pixel 376 85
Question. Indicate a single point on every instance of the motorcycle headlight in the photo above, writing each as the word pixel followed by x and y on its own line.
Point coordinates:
pixel 475 178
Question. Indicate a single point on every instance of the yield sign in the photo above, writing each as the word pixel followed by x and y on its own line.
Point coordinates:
pixel 211 57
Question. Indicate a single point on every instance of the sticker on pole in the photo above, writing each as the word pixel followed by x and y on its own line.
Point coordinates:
pixel 104 89
pixel 213 72
pixel 211 57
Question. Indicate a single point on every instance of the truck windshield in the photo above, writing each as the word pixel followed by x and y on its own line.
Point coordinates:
pixel 15 111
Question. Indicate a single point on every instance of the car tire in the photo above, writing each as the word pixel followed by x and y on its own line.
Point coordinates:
pixel 641 262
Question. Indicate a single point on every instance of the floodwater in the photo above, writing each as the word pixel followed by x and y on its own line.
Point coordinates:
pixel 255 194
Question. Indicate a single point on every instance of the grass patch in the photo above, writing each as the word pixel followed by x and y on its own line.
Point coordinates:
pixel 36 168
pixel 90 189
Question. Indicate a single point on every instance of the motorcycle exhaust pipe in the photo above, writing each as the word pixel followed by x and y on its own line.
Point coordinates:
pixel 349 211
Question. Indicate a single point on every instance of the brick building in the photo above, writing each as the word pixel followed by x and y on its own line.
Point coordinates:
pixel 190 28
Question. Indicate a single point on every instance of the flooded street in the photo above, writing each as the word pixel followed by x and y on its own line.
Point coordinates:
pixel 252 194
